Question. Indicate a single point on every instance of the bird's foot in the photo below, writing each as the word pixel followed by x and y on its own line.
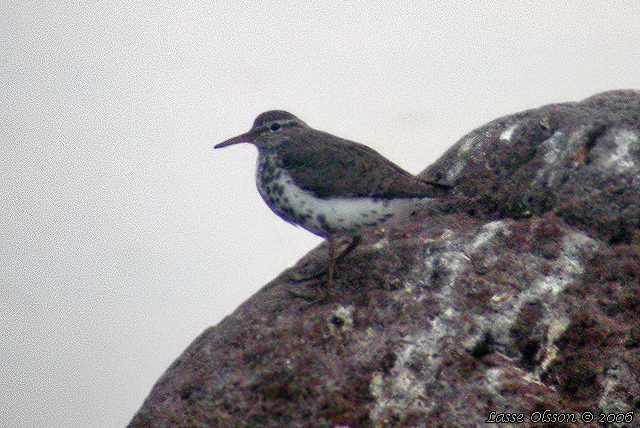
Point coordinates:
pixel 304 276
pixel 305 281
pixel 304 293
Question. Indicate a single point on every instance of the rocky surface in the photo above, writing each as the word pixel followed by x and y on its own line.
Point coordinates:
pixel 518 294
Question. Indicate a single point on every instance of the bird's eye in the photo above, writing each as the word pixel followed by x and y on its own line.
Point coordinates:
pixel 274 126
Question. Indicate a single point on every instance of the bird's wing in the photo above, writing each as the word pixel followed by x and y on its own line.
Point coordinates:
pixel 347 169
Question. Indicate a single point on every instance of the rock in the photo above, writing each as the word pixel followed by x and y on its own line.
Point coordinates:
pixel 515 300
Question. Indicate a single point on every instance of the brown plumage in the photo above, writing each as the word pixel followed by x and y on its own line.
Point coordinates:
pixel 349 169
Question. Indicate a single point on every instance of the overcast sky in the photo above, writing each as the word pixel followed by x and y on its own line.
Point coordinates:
pixel 124 235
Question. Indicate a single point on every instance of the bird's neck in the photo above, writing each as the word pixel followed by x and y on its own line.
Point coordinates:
pixel 268 164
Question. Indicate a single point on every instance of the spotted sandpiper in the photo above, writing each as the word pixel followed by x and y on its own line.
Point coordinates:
pixel 328 185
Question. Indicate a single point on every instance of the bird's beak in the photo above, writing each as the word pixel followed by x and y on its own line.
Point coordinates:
pixel 244 138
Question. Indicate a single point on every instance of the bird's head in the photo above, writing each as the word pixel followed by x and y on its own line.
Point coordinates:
pixel 270 129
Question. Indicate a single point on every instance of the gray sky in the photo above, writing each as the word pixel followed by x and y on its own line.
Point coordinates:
pixel 123 235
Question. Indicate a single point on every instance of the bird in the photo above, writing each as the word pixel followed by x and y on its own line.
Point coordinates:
pixel 330 186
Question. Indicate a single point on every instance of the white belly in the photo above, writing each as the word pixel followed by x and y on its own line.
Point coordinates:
pixel 331 216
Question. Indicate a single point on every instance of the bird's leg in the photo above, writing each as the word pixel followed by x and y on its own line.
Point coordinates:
pixel 333 260
pixel 330 269
pixel 352 245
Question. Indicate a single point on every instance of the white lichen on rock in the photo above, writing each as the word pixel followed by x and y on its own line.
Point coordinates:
pixel 552 152
pixel 454 171
pixel 415 369
pixel 487 233
pixel 621 158
pixel 466 144
pixel 508 133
